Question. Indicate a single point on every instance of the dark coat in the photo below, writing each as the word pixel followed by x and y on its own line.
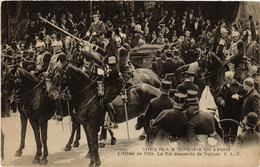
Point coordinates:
pixel 169 66
pixel 195 32
pixel 157 67
pixel 173 121
pixel 70 26
pixel 248 138
pixel 251 103
pixel 232 108
pixel 200 123
pixel 156 106
pixel 185 86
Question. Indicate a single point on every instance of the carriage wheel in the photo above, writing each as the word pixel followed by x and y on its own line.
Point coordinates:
pixel 228 137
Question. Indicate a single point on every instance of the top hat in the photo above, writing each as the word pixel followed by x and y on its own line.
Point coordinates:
pixel 192 94
pixel 179 97
pixel 166 85
pixel 252 119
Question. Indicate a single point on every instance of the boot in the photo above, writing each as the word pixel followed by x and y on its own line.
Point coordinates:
pixel 112 114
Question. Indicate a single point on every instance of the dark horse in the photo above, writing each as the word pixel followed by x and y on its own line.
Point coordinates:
pixel 35 105
pixel 89 108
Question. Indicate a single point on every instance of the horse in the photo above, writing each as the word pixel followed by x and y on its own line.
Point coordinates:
pixel 35 105
pixel 89 110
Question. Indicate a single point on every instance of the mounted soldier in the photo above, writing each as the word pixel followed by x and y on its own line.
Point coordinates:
pixel 42 58
pixel 97 28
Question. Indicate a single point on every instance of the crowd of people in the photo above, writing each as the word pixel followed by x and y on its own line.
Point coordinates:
pixel 185 37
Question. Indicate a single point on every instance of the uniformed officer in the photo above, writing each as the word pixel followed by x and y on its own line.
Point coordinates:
pixel 201 130
pixel 157 64
pixel 170 122
pixel 158 104
pixel 97 28
pixel 188 83
pixel 114 82
pixel 42 58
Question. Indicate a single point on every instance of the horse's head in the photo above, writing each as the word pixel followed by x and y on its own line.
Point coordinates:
pixel 11 83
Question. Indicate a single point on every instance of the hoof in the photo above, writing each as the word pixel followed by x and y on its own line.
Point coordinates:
pixel 36 161
pixel 43 162
pixel 101 137
pixel 76 144
pixel 67 148
pixel 113 141
pixel 141 137
pixel 101 145
pixel 88 155
pixel 18 153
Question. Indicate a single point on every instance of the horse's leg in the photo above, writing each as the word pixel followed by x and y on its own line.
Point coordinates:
pixel 36 131
pixel 92 137
pixel 142 136
pixel 102 137
pixel 23 119
pixel 113 139
pixel 74 128
pixel 77 126
pixel 103 134
pixel 44 128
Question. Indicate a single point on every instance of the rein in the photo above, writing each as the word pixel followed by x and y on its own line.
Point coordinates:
pixel 92 82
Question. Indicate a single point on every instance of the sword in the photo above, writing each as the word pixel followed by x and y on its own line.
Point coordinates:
pixel 69 34
pixel 124 98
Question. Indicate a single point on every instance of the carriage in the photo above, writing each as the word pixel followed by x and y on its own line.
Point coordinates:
pixel 143 56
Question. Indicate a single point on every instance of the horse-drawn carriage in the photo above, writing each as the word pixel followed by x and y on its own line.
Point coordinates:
pixel 143 56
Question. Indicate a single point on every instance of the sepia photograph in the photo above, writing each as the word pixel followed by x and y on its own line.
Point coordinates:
pixel 130 83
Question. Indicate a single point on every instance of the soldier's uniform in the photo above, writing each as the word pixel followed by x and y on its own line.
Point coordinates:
pixel 201 130
pixel 157 105
pixel 97 28
pixel 187 84
pixel 157 64
pixel 42 60
pixel 171 122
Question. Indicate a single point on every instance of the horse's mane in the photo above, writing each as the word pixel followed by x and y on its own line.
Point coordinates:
pixel 28 75
pixel 79 71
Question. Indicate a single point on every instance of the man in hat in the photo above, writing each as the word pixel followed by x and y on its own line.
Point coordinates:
pixel 114 81
pixel 188 83
pixel 229 101
pixel 249 138
pixel 42 58
pixel 201 130
pixel 56 48
pixel 169 66
pixel 170 122
pixel 158 104
pixel 158 63
pixel 97 27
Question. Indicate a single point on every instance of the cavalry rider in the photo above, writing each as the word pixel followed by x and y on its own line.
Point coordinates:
pixel 97 28
pixel 229 101
pixel 220 39
pixel 241 66
pixel 188 84
pixel 114 81
pixel 158 104
pixel 123 59
pixel 57 51
pixel 170 122
pixel 42 58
